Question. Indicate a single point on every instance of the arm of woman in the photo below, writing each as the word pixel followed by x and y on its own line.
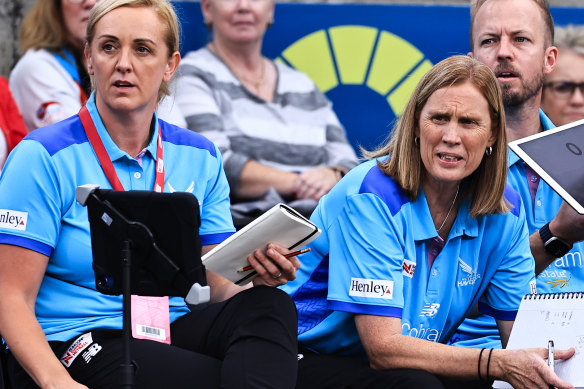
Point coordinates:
pixel 43 90
pixel 201 107
pixel 268 263
pixel 387 348
pixel 18 323
pixel 315 183
pixel 256 179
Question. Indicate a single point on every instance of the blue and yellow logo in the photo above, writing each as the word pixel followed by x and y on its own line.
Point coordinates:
pixel 360 66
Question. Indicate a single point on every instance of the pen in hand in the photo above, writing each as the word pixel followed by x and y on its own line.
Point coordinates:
pixel 289 255
pixel 550 360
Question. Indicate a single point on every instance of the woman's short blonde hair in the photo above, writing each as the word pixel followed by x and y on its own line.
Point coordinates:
pixel 487 183
pixel 162 8
pixel 43 27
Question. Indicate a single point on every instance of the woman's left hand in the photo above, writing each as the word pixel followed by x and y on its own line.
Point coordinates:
pixel 272 267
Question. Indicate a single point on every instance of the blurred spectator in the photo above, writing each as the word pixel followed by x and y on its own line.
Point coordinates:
pixel 50 82
pixel 563 94
pixel 278 134
pixel 12 128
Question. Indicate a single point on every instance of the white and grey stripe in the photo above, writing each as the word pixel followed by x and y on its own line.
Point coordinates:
pixel 296 131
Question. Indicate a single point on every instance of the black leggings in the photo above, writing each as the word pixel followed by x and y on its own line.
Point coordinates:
pixel 248 341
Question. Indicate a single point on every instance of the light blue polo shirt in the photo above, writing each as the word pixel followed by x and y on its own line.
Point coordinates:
pixel 371 258
pixel 38 185
pixel 565 274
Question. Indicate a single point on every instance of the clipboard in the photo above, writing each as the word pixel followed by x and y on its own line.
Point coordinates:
pixel 280 224
pixel 557 156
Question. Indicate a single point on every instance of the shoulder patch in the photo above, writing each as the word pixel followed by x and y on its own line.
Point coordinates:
pixel 383 186
pixel 514 199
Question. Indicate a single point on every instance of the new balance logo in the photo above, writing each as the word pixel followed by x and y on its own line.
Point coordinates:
pixel 430 309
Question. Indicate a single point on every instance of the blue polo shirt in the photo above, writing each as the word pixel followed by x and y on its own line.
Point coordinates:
pixel 38 186
pixel 371 258
pixel 565 274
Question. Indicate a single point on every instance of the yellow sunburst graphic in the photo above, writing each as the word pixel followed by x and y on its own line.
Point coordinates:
pixel 377 59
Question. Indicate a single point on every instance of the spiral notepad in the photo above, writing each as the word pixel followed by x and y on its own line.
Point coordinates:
pixel 552 316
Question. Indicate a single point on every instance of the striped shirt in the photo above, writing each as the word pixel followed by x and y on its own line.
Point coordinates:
pixel 296 131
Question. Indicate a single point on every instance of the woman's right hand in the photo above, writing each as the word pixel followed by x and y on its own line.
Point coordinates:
pixel 528 368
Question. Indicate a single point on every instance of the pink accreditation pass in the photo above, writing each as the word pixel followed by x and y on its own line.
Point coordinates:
pixel 151 318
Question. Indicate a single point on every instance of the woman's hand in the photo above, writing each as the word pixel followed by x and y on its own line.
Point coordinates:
pixel 272 267
pixel 528 368
pixel 315 183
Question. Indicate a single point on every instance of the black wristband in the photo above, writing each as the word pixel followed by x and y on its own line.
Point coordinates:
pixel 480 356
pixel 488 364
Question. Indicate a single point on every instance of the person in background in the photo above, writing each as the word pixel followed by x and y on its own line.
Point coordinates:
pixel 279 136
pixel 12 128
pixel 50 81
pixel 514 38
pixel 62 333
pixel 436 195
pixel 563 92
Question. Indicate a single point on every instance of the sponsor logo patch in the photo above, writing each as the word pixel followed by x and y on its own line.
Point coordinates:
pixel 430 309
pixel 14 220
pixel 364 287
pixel 80 344
pixel 408 268
pixel 91 352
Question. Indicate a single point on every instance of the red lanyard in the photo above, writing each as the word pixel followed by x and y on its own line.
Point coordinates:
pixel 105 161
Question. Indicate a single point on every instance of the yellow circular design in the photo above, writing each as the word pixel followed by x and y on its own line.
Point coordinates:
pixel 378 59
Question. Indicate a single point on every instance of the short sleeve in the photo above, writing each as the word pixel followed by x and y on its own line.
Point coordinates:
pixel 366 255
pixel 515 274
pixel 216 220
pixel 43 90
pixel 31 199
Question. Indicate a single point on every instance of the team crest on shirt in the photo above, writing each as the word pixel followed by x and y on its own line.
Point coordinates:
pixel 408 268
pixel 14 220
pixel 190 189
pixel 469 275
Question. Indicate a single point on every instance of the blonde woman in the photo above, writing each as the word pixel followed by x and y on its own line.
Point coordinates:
pixel 61 331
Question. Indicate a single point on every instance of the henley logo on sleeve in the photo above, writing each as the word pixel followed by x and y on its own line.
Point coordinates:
pixel 14 220
pixel 408 268
pixel 364 287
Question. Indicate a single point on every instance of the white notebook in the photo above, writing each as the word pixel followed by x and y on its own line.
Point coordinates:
pixel 280 224
pixel 552 316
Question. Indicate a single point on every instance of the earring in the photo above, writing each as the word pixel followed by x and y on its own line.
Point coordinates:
pixel 208 24
pixel 270 22
pixel 489 150
pixel 417 141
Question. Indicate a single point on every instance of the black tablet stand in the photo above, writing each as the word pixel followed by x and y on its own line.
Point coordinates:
pixel 135 237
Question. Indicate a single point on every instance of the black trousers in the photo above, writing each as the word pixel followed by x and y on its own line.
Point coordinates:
pixel 248 341
pixel 319 371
